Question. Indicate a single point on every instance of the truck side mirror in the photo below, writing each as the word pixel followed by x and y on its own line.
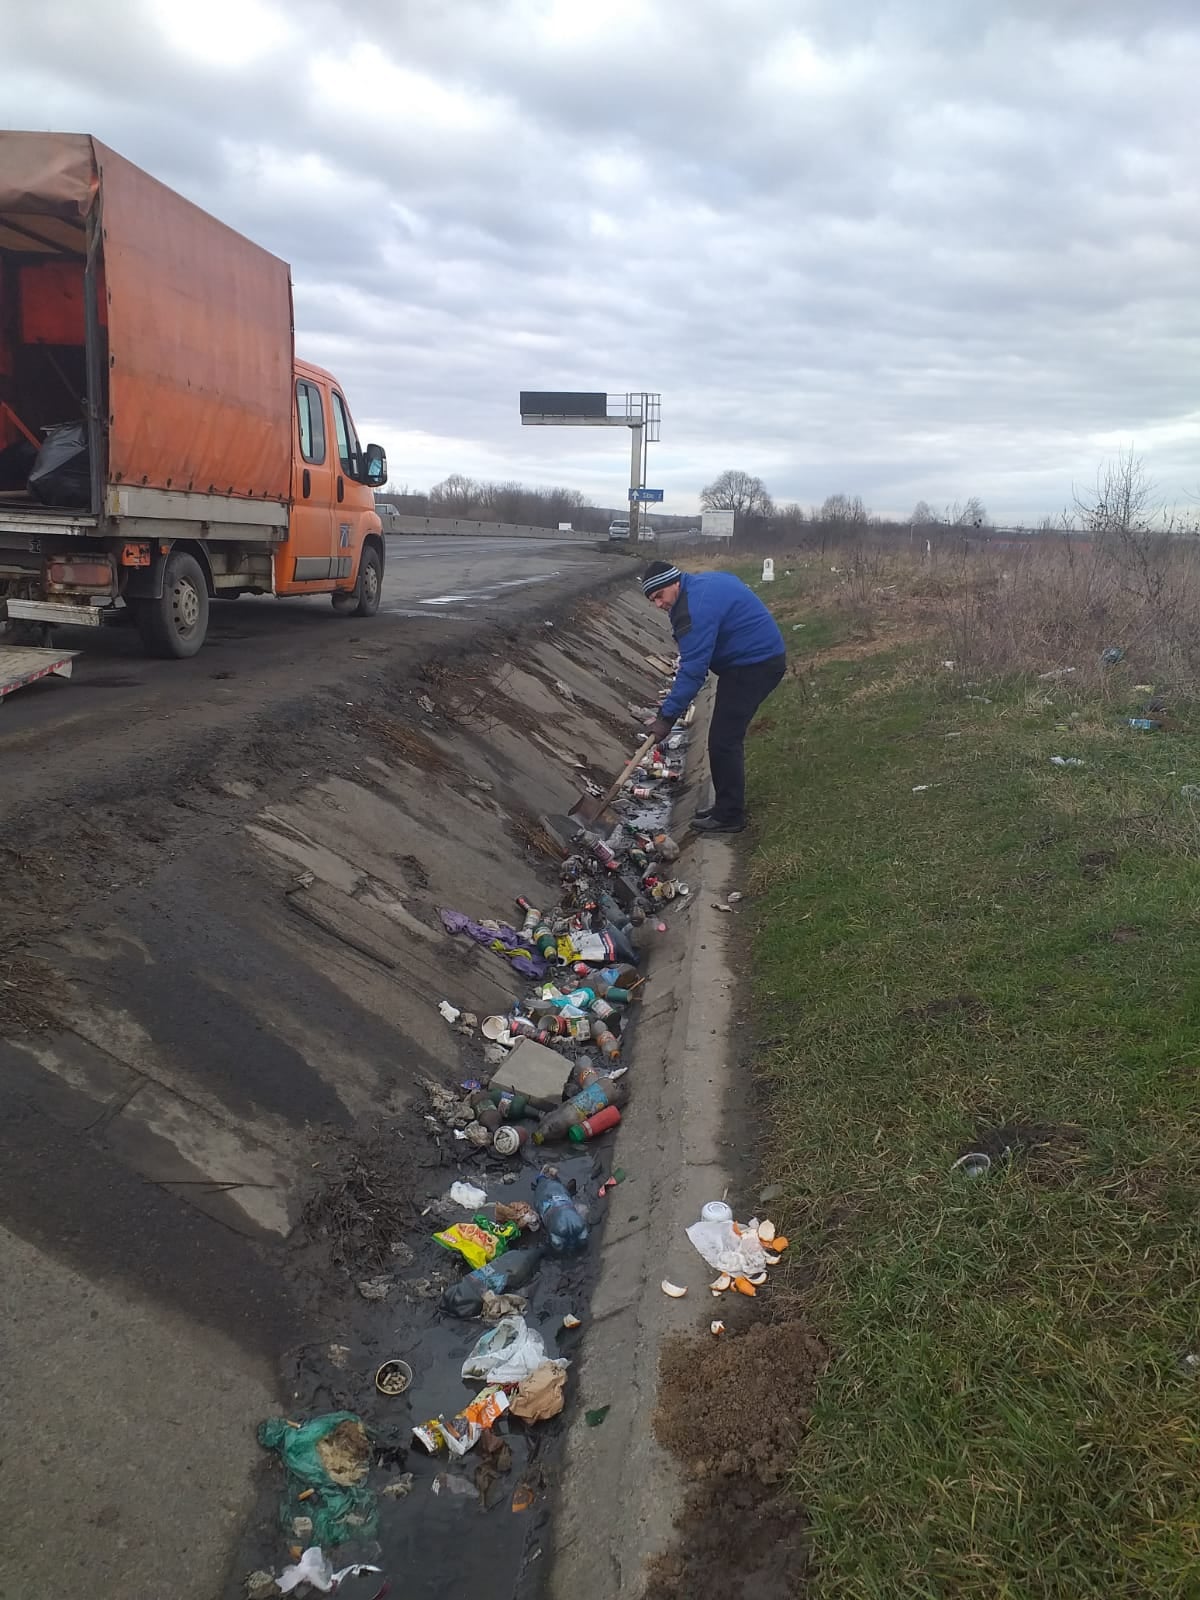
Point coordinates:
pixel 375 465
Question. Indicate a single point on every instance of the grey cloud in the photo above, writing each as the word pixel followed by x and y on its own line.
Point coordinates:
pixel 903 248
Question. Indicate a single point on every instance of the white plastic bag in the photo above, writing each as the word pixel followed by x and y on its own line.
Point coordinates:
pixel 467 1195
pixel 315 1567
pixel 741 1255
pixel 508 1353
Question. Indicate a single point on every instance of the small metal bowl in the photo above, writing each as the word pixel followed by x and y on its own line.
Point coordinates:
pixel 393 1378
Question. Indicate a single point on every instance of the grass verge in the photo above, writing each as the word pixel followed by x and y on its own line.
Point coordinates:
pixel 960 946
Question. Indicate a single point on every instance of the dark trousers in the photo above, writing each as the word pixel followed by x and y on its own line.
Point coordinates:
pixel 740 692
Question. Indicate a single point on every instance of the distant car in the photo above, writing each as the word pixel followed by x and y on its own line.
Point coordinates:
pixel 618 528
pixel 646 535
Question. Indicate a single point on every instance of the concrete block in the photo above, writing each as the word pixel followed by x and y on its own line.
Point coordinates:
pixel 535 1071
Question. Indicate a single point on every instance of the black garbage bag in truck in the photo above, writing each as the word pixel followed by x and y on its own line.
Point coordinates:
pixel 61 475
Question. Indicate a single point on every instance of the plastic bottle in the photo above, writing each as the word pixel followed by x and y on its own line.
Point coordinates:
pixel 612 911
pixel 509 1271
pixel 596 1093
pixel 565 1228
pixel 546 943
pixel 606 1040
pixel 614 993
pixel 591 1127
pixel 624 976
pixel 580 998
pixel 582 1073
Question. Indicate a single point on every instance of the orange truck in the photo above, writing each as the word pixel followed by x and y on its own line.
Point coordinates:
pixel 160 445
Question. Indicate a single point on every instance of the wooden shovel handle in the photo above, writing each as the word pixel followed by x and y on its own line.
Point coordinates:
pixel 639 755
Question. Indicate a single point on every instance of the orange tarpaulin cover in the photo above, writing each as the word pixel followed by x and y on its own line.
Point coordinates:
pixel 199 346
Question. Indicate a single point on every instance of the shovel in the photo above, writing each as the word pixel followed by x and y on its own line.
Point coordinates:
pixel 590 807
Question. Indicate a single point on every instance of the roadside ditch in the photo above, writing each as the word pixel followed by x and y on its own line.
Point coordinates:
pixel 220 1015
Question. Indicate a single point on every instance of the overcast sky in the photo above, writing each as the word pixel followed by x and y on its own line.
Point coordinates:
pixel 900 248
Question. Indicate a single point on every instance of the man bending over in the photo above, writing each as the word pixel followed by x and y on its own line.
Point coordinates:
pixel 720 626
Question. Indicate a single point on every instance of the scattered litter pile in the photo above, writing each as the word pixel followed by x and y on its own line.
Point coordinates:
pixel 552 1070
pixel 555 1057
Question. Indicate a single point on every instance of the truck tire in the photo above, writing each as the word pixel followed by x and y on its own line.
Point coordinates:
pixel 174 625
pixel 363 600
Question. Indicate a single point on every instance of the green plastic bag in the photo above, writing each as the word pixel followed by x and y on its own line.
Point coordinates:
pixel 331 1455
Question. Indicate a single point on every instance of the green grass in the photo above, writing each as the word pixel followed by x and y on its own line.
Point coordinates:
pixel 1006 1413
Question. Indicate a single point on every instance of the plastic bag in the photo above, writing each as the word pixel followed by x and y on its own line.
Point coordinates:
pixel 480 1241
pixel 467 1195
pixel 540 1397
pixel 723 1247
pixel 330 1455
pixel 61 475
pixel 464 1430
pixel 315 1567
pixel 508 1353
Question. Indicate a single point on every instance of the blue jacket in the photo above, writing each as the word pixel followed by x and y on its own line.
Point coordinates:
pixel 718 623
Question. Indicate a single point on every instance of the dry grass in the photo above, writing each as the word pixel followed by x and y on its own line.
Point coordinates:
pixel 1040 606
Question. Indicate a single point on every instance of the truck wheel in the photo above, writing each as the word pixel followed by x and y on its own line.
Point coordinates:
pixel 364 599
pixel 175 624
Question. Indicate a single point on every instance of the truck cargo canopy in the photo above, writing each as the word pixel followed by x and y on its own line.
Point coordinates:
pixel 196 319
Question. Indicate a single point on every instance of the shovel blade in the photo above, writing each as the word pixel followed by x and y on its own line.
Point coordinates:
pixel 588 809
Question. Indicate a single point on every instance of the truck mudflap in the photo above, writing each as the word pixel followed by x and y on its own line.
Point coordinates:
pixel 20 666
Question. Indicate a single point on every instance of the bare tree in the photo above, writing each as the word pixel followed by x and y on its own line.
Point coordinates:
pixel 737 491
pixel 843 510
pixel 455 496
pixel 923 515
pixel 1123 499
pixel 971 513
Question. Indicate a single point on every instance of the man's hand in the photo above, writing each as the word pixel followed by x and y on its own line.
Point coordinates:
pixel 659 726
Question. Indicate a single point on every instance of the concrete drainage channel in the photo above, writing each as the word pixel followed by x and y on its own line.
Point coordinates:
pixel 217 1126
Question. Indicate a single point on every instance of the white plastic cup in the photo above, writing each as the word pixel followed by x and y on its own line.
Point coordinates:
pixel 716 1211
pixel 975 1164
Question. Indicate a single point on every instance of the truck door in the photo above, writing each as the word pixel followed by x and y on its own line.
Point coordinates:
pixel 349 496
pixel 311 542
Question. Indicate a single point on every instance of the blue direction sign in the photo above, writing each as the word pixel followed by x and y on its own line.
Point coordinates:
pixel 646 494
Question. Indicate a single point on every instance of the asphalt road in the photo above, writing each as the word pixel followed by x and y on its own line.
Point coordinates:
pixel 436 590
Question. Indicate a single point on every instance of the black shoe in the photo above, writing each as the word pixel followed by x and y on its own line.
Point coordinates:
pixel 712 824
pixel 699 816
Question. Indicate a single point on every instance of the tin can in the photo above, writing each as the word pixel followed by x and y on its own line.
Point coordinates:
pixel 509 1139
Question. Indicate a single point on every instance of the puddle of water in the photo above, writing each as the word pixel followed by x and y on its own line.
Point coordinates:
pixel 441 1546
